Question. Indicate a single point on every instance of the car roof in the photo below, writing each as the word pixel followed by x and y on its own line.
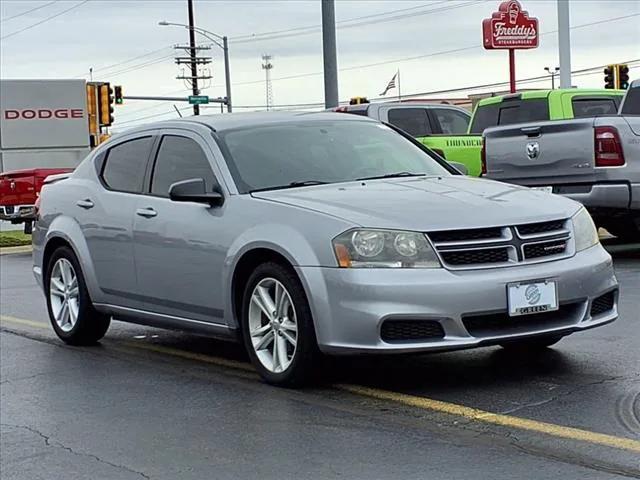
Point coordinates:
pixel 222 122
pixel 530 94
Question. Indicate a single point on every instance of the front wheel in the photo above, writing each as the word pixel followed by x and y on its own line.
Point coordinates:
pixel 72 315
pixel 538 343
pixel 278 327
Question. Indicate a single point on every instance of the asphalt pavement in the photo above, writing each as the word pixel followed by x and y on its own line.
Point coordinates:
pixel 150 403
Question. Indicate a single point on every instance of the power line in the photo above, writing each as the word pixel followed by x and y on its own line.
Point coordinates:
pixel 133 68
pixel 28 11
pixel 109 67
pixel 314 29
pixel 28 27
pixel 578 73
pixel 428 55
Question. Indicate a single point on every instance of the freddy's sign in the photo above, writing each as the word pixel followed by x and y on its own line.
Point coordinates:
pixel 510 28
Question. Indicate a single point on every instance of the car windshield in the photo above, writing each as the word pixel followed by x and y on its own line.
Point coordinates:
pixel 310 153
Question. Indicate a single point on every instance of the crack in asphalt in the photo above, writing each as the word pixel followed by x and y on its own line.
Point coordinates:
pixel 569 392
pixel 55 444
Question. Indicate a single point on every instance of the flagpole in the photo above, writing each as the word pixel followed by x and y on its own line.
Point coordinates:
pixel 399 93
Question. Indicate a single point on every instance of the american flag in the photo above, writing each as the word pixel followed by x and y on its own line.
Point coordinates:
pixel 390 85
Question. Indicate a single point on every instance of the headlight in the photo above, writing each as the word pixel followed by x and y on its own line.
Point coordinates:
pixel 370 248
pixel 584 230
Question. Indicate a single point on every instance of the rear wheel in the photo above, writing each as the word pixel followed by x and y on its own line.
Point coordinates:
pixel 537 343
pixel 72 315
pixel 277 326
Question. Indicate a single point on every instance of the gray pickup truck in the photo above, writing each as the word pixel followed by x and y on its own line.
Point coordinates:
pixel 595 161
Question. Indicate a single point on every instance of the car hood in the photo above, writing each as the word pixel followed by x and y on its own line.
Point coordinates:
pixel 427 203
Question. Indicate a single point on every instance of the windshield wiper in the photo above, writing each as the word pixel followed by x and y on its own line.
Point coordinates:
pixel 394 175
pixel 301 183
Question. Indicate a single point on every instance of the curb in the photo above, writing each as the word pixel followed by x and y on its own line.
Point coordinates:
pixel 14 250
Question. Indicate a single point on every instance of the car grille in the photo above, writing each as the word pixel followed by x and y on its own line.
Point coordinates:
pixel 9 209
pixel 410 330
pixel 503 246
pixel 496 324
pixel 602 304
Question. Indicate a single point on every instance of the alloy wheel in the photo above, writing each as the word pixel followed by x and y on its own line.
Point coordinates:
pixel 273 325
pixel 64 295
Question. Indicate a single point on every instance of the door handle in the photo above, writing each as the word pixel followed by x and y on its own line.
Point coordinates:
pixel 86 203
pixel 146 212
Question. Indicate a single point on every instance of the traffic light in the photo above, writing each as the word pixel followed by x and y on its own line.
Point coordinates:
pixel 622 76
pixel 92 109
pixel 118 95
pixel 609 76
pixel 358 100
pixel 106 105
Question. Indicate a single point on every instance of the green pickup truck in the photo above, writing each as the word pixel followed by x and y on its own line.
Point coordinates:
pixel 456 135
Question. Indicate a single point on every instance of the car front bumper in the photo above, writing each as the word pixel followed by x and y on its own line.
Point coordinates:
pixel 350 305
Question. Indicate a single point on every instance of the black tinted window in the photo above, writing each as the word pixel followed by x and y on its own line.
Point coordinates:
pixel 486 116
pixel 534 110
pixel 414 121
pixel 125 165
pixel 590 107
pixel 632 102
pixel 178 159
pixel 452 122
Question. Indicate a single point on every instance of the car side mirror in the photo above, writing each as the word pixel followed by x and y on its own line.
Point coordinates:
pixel 461 167
pixel 194 190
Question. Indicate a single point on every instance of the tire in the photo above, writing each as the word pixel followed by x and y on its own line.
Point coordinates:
pixel 301 355
pixel 531 344
pixel 89 325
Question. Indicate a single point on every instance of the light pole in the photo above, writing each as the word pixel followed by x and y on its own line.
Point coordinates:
pixel 553 74
pixel 215 38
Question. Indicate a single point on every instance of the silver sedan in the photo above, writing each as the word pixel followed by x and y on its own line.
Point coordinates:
pixel 302 234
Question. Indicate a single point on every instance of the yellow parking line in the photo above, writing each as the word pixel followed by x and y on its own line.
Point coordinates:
pixel 22 321
pixel 496 418
pixel 424 403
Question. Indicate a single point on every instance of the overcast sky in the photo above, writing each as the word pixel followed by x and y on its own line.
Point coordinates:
pixel 123 43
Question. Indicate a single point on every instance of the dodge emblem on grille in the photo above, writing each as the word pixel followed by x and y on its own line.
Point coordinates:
pixel 533 150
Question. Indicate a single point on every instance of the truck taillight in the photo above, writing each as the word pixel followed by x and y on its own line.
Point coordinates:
pixel 483 157
pixel 607 147
pixel 37 206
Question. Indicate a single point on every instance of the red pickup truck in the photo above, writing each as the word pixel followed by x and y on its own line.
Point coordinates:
pixel 19 190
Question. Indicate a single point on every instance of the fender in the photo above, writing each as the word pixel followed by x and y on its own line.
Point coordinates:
pixel 283 239
pixel 68 229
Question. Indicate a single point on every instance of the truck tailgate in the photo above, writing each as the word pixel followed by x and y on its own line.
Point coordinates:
pixel 541 153
pixel 17 188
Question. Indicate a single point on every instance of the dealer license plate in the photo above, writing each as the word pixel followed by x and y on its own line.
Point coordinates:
pixel 543 189
pixel 532 297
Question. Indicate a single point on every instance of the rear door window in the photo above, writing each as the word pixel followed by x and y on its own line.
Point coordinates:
pixel 125 165
pixel 632 102
pixel 414 121
pixel 590 107
pixel 486 116
pixel 179 158
pixel 534 110
pixel 452 122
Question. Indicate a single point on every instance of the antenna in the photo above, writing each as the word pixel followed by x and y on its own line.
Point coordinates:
pixel 267 66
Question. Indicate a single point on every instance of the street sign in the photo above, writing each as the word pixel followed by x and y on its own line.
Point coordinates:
pixel 510 27
pixel 198 99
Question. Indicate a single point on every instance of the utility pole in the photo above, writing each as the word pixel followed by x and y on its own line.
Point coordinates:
pixel 192 50
pixel 329 54
pixel 564 43
pixel 267 66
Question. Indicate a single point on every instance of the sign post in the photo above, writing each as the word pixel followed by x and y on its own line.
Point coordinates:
pixel 510 28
